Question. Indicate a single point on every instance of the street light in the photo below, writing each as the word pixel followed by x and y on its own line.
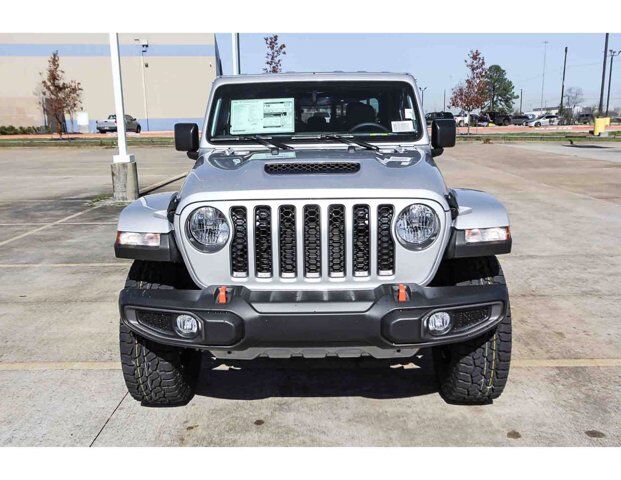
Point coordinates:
pixel 613 54
pixel 422 97
pixel 144 46
pixel 543 77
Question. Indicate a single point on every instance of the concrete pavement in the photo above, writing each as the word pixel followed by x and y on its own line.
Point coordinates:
pixel 60 381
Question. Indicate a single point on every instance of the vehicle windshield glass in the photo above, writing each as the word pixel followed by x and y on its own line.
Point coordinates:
pixel 295 111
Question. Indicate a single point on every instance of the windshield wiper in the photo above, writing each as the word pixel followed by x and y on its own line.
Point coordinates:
pixel 272 144
pixel 349 141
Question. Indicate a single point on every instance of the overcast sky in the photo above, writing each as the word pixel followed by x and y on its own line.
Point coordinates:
pixel 437 60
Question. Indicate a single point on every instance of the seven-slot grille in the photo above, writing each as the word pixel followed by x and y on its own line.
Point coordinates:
pixel 312 240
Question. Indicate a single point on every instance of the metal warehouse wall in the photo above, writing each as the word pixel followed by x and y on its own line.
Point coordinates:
pixel 178 78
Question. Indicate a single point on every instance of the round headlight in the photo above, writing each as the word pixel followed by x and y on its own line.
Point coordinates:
pixel 417 226
pixel 208 229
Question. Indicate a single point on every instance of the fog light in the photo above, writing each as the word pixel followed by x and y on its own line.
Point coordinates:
pixel 186 326
pixel 439 323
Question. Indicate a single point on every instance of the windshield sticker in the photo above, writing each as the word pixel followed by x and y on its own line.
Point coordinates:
pixel 408 113
pixel 402 126
pixel 269 115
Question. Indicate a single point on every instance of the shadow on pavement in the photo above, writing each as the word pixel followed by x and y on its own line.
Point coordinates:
pixel 260 379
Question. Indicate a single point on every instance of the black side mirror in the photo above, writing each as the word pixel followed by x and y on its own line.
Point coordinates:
pixel 186 138
pixel 443 133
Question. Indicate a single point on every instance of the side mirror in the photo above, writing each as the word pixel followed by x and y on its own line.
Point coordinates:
pixel 443 133
pixel 186 138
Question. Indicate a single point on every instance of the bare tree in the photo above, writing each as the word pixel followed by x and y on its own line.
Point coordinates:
pixel 273 62
pixel 472 93
pixel 59 97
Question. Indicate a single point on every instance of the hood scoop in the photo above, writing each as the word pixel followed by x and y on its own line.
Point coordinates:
pixel 311 168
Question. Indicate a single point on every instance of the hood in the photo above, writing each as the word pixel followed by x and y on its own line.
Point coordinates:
pixel 325 173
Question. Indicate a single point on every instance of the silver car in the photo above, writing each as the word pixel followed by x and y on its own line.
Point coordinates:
pixel 544 120
pixel 109 125
pixel 304 235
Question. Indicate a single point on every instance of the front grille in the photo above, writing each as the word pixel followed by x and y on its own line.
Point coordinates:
pixel 313 240
pixel 294 168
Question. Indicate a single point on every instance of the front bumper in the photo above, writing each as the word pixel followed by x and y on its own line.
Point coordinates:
pixel 313 323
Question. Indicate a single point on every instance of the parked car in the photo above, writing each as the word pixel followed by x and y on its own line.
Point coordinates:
pixel 584 118
pixel 474 119
pixel 431 116
pixel 284 243
pixel 109 125
pixel 498 118
pixel 520 119
pixel 544 120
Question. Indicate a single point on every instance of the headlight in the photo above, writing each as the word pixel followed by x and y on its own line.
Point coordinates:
pixel 208 229
pixel 417 226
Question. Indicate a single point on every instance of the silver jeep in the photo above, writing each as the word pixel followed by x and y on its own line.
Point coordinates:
pixel 315 223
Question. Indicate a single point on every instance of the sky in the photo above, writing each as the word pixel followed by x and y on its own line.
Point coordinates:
pixel 437 60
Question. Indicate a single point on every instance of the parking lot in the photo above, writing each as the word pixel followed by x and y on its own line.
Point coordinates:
pixel 60 379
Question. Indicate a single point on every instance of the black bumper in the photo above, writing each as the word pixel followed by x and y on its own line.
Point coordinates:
pixel 266 319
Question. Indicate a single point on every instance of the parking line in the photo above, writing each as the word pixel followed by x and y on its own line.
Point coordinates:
pixel 30 232
pixel 516 363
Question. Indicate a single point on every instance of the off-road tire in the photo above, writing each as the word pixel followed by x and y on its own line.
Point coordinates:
pixel 155 374
pixel 475 371
pixel 138 129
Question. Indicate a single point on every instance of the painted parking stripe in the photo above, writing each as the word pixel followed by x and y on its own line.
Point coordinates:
pixel 516 363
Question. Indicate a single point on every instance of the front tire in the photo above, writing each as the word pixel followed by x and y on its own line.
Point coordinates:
pixel 155 374
pixel 475 371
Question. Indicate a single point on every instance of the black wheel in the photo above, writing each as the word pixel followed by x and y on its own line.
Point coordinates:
pixel 475 371
pixel 155 374
pixel 101 131
pixel 506 122
pixel 538 124
pixel 138 128
pixel 461 123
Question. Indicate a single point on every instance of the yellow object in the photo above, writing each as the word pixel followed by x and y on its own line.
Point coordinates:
pixel 600 125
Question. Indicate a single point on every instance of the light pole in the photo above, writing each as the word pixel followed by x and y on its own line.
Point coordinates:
pixel 422 97
pixel 521 111
pixel 144 46
pixel 124 171
pixel 543 77
pixel 560 110
pixel 613 54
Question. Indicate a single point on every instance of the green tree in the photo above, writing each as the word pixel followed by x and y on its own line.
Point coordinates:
pixel 500 90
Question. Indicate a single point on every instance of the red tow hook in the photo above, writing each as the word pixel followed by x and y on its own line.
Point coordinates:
pixel 402 293
pixel 221 298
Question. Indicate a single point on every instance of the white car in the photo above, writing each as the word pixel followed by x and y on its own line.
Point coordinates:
pixel 543 120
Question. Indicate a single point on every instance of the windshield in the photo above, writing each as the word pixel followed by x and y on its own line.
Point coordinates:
pixel 299 111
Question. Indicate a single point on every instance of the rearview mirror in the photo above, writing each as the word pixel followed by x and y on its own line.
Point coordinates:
pixel 186 138
pixel 443 133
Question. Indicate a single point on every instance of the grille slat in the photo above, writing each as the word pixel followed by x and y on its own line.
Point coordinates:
pixel 312 241
pixel 239 242
pixel 287 241
pixel 361 253
pixel 385 242
pixel 336 240
pixel 263 241
pixel 297 241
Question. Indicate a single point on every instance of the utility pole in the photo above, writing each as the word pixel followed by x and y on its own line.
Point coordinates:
pixel 601 93
pixel 543 77
pixel 235 45
pixel 521 111
pixel 124 171
pixel 560 110
pixel 444 102
pixel 613 54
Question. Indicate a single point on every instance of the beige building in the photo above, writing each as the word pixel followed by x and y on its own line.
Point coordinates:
pixel 166 77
